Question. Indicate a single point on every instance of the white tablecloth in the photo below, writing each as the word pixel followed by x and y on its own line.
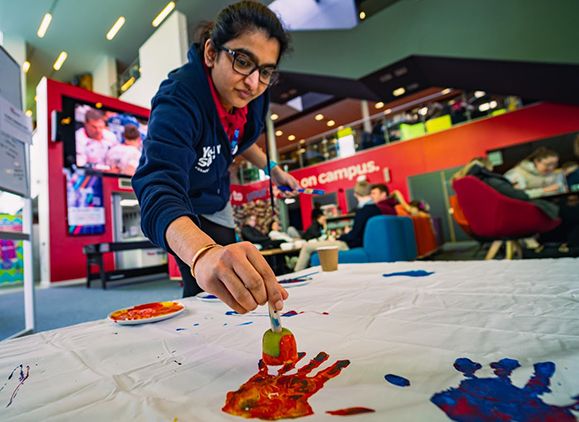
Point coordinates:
pixel 413 327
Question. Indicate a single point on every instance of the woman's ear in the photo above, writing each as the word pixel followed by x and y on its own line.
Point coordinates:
pixel 209 54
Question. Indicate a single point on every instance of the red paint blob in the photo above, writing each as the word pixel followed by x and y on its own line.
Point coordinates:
pixel 350 411
pixel 281 396
pixel 288 352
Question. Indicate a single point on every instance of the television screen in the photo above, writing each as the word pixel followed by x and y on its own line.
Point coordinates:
pixel 105 140
pixel 84 200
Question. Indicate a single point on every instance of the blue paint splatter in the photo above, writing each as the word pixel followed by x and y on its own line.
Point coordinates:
pixel 246 323
pixel 209 297
pixel 397 380
pixel 180 329
pixel 196 324
pixel 496 398
pixel 290 314
pixel 231 313
pixel 413 273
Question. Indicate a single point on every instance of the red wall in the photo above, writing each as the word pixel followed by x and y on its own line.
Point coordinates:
pixel 434 152
pixel 66 258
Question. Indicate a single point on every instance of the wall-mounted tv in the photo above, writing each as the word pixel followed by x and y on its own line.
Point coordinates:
pixel 100 139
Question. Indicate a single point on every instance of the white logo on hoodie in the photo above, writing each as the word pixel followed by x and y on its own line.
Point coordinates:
pixel 209 154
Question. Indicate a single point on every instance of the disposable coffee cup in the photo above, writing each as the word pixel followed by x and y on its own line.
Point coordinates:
pixel 328 257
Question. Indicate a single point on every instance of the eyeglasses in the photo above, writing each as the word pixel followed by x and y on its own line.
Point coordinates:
pixel 245 65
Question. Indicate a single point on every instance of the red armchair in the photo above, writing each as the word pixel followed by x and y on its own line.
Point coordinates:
pixel 495 217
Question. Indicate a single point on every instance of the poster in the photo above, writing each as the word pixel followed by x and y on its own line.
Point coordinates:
pixel 85 208
pixel 11 255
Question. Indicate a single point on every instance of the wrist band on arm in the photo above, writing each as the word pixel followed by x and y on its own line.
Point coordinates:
pixel 200 253
pixel 268 168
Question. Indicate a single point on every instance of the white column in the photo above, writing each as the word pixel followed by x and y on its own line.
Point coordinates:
pixel 104 76
pixel 366 116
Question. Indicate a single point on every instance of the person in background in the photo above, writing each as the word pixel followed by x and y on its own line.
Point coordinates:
pixel 276 233
pixel 93 140
pixel 355 237
pixel 251 233
pixel 207 112
pixel 318 226
pixel 537 174
pixel 381 197
pixel 124 158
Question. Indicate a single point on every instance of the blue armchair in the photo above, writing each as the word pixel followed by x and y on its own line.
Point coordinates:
pixel 387 238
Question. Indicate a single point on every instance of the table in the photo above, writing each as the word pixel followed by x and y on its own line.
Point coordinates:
pixel 276 258
pixel 412 327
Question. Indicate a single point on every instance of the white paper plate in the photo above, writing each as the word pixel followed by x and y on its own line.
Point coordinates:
pixel 146 313
pixel 207 297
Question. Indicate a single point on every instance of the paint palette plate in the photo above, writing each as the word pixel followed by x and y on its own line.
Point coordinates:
pixel 148 312
pixel 207 297
pixel 294 282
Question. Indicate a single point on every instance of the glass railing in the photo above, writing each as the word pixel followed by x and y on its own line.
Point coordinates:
pixel 127 78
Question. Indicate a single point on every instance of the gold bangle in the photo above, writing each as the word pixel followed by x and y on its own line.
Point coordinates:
pixel 199 253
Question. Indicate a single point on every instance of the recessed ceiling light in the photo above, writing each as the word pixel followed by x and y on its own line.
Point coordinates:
pixel 379 105
pixel 493 104
pixel 274 117
pixel 163 14
pixel 115 28
pixel 319 117
pixel 44 24
pixel 278 132
pixel 331 123
pixel 362 15
pixel 388 111
pixel 484 107
pixel 60 60
pixel 398 92
pixel 128 84
pixel 445 91
pixel 291 138
pixel 302 141
pixel 479 94
pixel 26 66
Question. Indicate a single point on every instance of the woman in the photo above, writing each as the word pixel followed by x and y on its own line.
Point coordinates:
pixel 537 174
pixel 207 112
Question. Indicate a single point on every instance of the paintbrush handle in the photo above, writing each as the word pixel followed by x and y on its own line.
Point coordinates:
pixel 274 319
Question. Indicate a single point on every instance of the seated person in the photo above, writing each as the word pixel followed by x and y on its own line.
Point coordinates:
pixel 409 209
pixel 124 158
pixel 318 227
pixel 276 233
pixel 381 197
pixel 252 234
pixel 537 174
pixel 355 237
pixel 571 171
pixel 568 230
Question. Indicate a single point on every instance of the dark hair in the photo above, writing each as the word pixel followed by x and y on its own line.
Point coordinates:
pixel 316 213
pixel 132 132
pixel 541 153
pixel 381 187
pixel 238 18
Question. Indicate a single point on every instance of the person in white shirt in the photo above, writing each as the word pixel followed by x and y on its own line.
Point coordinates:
pixel 124 158
pixel 93 141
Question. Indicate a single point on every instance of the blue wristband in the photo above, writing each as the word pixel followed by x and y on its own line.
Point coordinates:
pixel 268 168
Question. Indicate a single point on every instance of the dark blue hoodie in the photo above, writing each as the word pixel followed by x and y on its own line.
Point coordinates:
pixel 184 168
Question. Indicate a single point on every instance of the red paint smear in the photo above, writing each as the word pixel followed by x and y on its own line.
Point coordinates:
pixel 280 396
pixel 148 310
pixel 350 411
pixel 288 352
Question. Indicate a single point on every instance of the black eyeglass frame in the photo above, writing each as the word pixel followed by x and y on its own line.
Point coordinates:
pixel 234 54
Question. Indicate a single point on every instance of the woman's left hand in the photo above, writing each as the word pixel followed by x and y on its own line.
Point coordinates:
pixel 282 178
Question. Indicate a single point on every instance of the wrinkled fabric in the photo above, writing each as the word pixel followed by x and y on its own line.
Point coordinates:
pixel 414 328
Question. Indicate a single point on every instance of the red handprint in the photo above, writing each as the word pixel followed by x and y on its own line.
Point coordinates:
pixel 280 396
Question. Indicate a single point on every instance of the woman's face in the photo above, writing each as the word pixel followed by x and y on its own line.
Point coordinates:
pixel 547 165
pixel 233 88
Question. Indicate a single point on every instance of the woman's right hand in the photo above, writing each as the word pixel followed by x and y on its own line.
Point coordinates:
pixel 555 187
pixel 239 276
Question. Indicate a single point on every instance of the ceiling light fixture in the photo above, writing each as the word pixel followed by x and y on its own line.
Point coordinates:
pixel 331 123
pixel 60 60
pixel 274 117
pixel 388 111
pixel 398 92
pixel 484 107
pixel 26 66
pixel 423 111
pixel 278 132
pixel 445 91
pixel 44 24
pixel 379 105
pixel 163 14
pixel 479 94
pixel 291 138
pixel 319 117
pixel 362 15
pixel 128 84
pixel 115 28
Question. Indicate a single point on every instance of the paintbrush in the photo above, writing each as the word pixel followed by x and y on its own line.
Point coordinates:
pixel 303 190
pixel 279 344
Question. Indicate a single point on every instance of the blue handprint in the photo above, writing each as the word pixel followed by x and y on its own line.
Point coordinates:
pixel 497 399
